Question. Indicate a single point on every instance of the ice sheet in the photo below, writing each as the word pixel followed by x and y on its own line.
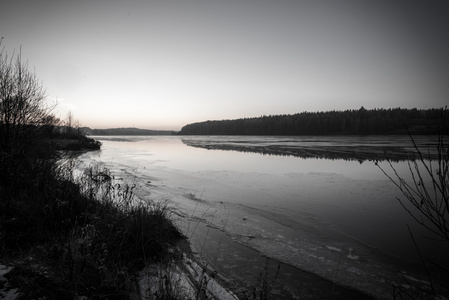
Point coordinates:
pixel 325 223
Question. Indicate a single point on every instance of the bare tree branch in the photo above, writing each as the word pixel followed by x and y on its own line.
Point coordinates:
pixel 23 107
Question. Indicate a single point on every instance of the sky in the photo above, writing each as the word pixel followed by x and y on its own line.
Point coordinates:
pixel 164 64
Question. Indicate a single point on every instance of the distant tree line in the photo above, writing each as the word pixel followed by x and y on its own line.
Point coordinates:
pixel 348 122
pixel 125 131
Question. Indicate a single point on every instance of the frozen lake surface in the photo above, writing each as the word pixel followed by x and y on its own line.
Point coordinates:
pixel 318 204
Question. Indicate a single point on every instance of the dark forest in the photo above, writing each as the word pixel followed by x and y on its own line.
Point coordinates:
pixel 348 122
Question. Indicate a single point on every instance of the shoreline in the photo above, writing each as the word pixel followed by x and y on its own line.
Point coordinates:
pixel 291 282
pixel 349 152
pixel 240 262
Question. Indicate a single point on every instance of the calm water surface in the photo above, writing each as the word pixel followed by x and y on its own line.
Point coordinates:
pixel 336 218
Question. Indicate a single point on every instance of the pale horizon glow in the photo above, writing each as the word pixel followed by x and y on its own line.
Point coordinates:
pixel 164 64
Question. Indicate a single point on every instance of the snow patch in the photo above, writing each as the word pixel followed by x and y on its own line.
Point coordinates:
pixel 411 278
pixel 6 292
pixel 333 248
pixel 351 254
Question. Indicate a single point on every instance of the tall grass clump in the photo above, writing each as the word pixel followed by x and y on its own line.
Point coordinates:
pixel 84 236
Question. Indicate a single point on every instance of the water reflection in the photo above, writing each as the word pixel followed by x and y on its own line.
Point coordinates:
pixel 394 148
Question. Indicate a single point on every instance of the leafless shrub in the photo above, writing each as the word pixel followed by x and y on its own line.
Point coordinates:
pixel 23 107
pixel 425 196
pixel 428 190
